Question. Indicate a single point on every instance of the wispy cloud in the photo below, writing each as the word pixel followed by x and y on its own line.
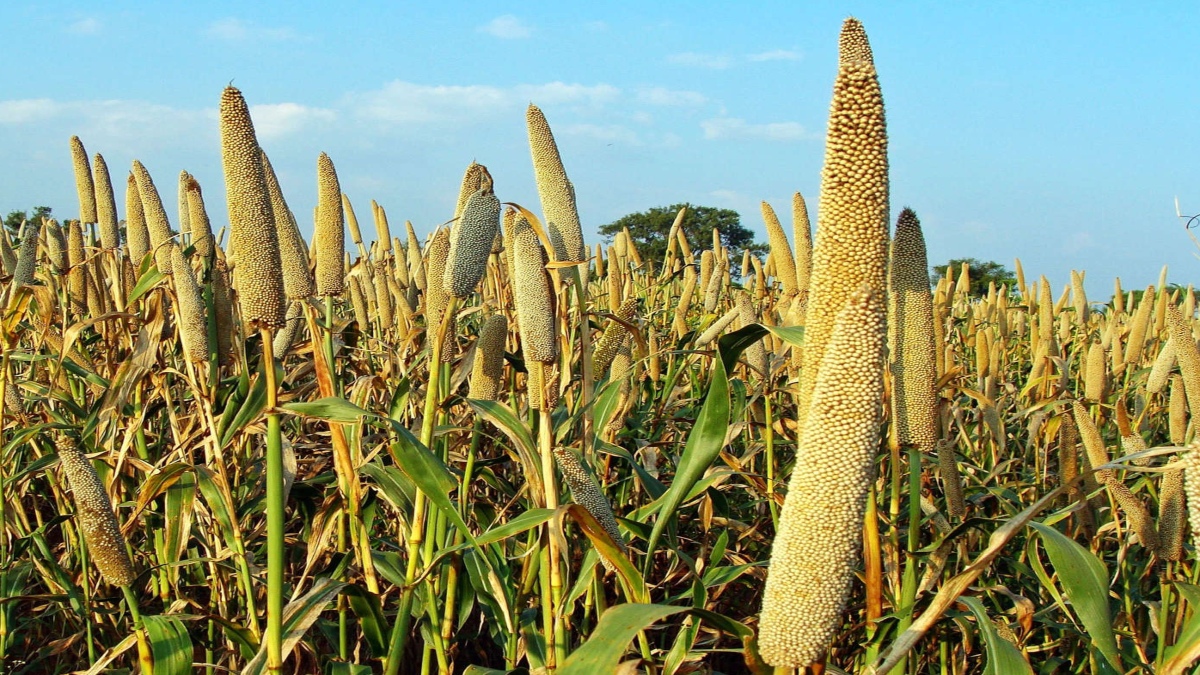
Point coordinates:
pixel 275 120
pixel 27 110
pixel 725 61
pixel 407 103
pixel 86 26
pixel 670 97
pixel 507 27
pixel 775 55
pixel 697 60
pixel 607 133
pixel 232 29
pixel 736 128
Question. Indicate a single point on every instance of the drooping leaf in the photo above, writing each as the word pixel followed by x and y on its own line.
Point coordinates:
pixel 1002 657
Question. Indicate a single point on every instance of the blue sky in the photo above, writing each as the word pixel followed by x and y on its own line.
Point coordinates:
pixel 1060 133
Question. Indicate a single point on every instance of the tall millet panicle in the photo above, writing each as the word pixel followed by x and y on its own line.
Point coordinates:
pixel 853 44
pixel 190 313
pixel 436 298
pixel 330 233
pixel 202 236
pixel 77 275
pixel 802 239
pixel 488 370
pixel 781 252
pixel 137 236
pixel 258 274
pixel 816 547
pixel 1187 354
pixel 473 179
pixel 911 347
pixel 555 190
pixel 8 256
pixel 293 253
pixel 852 222
pixel 94 513
pixel 156 217
pixel 533 294
pixel 185 214
pixel 106 204
pixel 83 181
pixel 27 254
pixel 471 238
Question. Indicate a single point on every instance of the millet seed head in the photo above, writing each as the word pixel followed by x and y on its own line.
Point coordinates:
pixel 83 181
pixel 106 204
pixel 293 253
pixel 330 238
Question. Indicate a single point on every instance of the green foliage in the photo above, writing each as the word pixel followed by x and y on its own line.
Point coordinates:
pixel 649 230
pixel 12 222
pixel 983 272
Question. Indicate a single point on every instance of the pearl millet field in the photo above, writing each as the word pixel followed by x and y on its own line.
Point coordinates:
pixel 504 449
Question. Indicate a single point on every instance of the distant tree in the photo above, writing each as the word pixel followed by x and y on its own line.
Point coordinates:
pixel 982 273
pixel 649 230
pixel 12 222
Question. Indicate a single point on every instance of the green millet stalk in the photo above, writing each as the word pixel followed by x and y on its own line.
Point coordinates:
pixel 816 548
pixel 330 232
pixel 137 235
pixel 106 204
pixel 156 217
pixel 83 181
pixel 94 513
pixel 293 254
pixel 852 222
pixel 471 239
pixel 258 271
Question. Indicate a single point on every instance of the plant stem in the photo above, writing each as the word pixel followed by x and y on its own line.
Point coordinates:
pixel 275 508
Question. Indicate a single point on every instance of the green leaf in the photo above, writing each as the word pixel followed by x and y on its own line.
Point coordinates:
pixel 170 645
pixel 149 280
pixel 507 421
pixel 793 335
pixel 1002 657
pixel 605 403
pixel 609 642
pixel 330 409
pixel 250 409
pixel 1179 656
pixel 1085 580
pixel 731 345
pixel 340 668
pixel 480 670
pixel 299 615
pixel 370 617
pixel 704 443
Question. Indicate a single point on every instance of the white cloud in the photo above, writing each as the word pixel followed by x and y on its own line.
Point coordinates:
pixel 86 26
pixel 273 120
pixel 27 110
pixel 405 103
pixel 736 128
pixel 697 60
pixel 507 27
pixel 775 55
pixel 232 29
pixel 608 133
pixel 670 97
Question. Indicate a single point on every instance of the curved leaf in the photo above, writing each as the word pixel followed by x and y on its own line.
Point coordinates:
pixel 608 643
pixel 1002 657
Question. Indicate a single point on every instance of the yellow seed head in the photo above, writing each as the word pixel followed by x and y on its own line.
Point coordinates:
pixel 614 334
pixel 555 190
pixel 488 370
pixel 330 244
pixel 416 265
pixel 1092 441
pixel 185 214
pixel 190 314
pixel 802 237
pixel 1187 354
pixel 293 254
pixel 56 247
pixel 436 297
pixel 1095 373
pixel 1161 370
pixel 473 179
pixel 911 338
pixel 8 256
pixel 951 479
pixel 471 239
pixel 94 513
pixel 1172 514
pixel 853 44
pixel 382 229
pixel 27 257
pixel 137 236
pixel 202 236
pixel 156 217
pixel 816 547
pixel 586 491
pixel 533 294
pixel 259 271
pixel 383 296
pixel 852 219
pixel 781 252
pixel 106 204
pixel 77 276
pixel 83 181
pixel 1177 411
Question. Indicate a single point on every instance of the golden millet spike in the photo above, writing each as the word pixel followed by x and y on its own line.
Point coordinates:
pixel 781 252
pixel 852 218
pixel 555 190
pixel 1187 354
pixel 534 296
pixel 137 235
pixel 853 44
pixel 202 236
pixel 27 254
pixel 802 238
pixel 329 243
pixel 157 223
pixel 94 512
pixel 77 275
pixel 586 491
pixel 816 548
pixel 471 239
pixel 487 371
pixel 106 204
pixel 185 214
pixel 258 271
pixel 911 338
pixel 83 181
pixel 193 326
pixel 293 254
